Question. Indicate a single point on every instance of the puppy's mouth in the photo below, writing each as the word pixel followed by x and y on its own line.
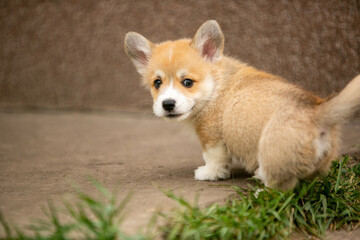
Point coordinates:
pixel 172 115
pixel 178 116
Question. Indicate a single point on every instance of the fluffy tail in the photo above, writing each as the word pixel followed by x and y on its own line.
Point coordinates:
pixel 341 107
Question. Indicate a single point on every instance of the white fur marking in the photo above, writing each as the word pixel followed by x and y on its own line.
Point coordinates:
pixel 159 73
pixel 217 164
pixel 322 144
pixel 259 174
pixel 171 83
pixel 183 104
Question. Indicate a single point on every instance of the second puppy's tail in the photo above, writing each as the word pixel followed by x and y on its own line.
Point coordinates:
pixel 341 107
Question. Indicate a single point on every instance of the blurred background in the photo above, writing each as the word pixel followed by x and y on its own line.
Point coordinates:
pixel 67 54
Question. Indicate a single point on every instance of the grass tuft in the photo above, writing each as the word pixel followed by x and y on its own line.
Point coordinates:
pixel 327 203
pixel 86 218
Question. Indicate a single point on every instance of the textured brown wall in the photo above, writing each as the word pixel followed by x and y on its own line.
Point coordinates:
pixel 66 53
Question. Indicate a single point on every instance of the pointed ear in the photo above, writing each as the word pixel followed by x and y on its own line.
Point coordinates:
pixel 209 40
pixel 138 49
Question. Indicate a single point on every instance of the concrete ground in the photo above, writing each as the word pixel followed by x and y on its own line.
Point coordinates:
pixel 42 154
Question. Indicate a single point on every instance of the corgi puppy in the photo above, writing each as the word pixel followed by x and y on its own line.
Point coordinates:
pixel 275 129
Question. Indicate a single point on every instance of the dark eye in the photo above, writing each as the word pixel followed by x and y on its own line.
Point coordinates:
pixel 188 83
pixel 157 83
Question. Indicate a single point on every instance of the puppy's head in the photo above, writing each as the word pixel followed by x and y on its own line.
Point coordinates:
pixel 180 74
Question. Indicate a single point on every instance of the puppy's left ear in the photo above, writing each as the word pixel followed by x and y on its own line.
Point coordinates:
pixel 209 40
pixel 138 49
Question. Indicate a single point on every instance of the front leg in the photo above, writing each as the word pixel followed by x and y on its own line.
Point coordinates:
pixel 217 164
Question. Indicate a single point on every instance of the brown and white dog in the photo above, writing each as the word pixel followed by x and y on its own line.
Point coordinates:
pixel 277 130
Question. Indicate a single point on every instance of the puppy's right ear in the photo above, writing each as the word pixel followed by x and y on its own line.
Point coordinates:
pixel 209 41
pixel 138 49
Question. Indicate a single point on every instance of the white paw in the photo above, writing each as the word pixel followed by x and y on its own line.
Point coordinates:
pixel 212 173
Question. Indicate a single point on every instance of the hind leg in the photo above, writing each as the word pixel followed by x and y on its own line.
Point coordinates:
pixel 286 154
pixel 278 182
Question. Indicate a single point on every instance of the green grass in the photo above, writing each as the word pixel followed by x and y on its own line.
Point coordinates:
pixel 86 218
pixel 332 202
pixel 328 203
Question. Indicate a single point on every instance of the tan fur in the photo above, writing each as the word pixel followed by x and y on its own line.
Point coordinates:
pixel 277 130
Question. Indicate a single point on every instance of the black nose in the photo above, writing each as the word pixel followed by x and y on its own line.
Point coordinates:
pixel 169 104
